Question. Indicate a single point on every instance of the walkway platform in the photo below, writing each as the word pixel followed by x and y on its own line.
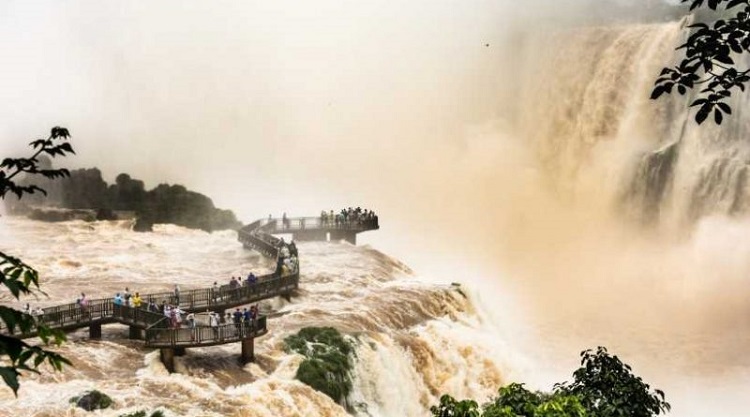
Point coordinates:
pixel 259 234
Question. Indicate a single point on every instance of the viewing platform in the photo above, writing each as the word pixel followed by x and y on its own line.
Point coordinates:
pixel 304 229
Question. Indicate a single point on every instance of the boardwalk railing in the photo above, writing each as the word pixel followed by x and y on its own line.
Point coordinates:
pixel 312 223
pixel 259 234
pixel 73 316
pixel 138 317
pixel 205 335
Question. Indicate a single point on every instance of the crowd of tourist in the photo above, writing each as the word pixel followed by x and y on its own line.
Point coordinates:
pixel 343 218
pixel 171 308
pixel 287 262
pixel 348 217
pixel 35 312
pixel 127 299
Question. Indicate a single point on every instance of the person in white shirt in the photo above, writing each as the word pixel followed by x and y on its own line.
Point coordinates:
pixel 191 320
pixel 213 320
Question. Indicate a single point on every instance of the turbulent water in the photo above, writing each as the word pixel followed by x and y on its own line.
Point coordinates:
pixel 405 330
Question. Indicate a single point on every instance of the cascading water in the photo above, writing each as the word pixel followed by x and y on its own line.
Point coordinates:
pixel 589 115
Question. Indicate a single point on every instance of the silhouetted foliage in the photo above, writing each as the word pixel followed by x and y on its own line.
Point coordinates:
pixel 127 193
pixel 603 387
pixel 21 279
pixel 710 62
pixel 608 388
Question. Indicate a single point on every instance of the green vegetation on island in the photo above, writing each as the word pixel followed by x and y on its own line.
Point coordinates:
pixel 603 386
pixel 85 195
pixel 328 360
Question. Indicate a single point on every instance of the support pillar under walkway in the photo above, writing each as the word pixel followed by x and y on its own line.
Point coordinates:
pixel 248 351
pixel 135 333
pixel 346 235
pixel 167 358
pixel 95 331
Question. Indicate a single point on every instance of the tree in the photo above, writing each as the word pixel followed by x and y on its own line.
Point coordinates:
pixel 710 57
pixel 515 400
pixel 450 407
pixel 603 387
pixel 608 388
pixel 21 279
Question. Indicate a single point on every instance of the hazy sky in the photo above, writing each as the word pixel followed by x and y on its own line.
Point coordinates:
pixel 271 106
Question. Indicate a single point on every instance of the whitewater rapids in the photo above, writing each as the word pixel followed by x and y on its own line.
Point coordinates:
pixel 413 338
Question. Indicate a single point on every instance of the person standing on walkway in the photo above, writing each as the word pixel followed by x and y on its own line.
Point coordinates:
pixel 83 303
pixel 213 321
pixel 137 300
pixel 177 294
pixel 190 318
pixel 237 318
pixel 215 292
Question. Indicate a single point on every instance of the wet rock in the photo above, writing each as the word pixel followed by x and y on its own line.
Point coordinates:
pixel 92 400
pixel 143 225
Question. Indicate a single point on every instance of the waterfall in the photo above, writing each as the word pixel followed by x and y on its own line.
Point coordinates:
pixel 586 110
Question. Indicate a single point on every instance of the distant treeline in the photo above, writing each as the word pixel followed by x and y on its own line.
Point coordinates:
pixel 85 189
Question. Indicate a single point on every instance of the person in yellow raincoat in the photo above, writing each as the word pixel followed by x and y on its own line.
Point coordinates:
pixel 137 300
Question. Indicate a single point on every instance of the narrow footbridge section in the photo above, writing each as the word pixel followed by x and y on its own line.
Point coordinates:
pixel 154 327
